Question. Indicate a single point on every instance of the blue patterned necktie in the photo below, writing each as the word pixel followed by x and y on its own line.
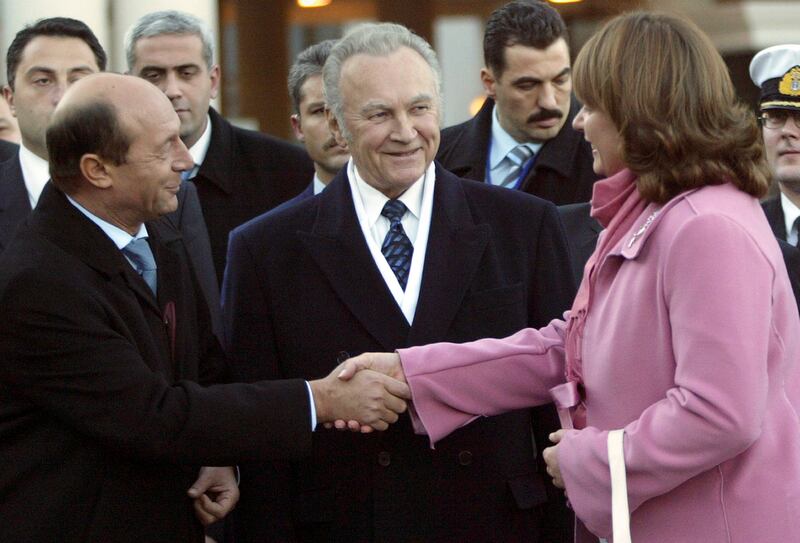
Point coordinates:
pixel 518 156
pixel 397 248
pixel 141 258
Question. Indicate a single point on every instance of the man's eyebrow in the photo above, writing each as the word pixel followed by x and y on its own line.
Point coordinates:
pixel 44 69
pixel 536 80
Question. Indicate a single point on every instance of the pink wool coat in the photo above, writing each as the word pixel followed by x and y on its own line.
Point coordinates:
pixel 691 344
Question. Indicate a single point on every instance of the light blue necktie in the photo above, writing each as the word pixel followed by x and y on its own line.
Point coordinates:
pixel 141 258
pixel 186 175
pixel 397 248
pixel 518 156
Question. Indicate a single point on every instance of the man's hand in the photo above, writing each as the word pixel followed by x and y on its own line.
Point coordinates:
pixel 550 456
pixel 386 363
pixel 372 399
pixel 215 493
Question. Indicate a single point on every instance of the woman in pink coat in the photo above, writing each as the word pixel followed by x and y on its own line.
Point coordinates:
pixel 684 332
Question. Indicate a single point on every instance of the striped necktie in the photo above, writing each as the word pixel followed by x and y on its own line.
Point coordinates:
pixel 518 156
pixel 397 248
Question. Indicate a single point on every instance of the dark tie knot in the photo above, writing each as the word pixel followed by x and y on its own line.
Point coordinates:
pixel 394 211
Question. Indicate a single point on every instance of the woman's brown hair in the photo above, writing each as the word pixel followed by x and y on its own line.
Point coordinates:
pixel 662 82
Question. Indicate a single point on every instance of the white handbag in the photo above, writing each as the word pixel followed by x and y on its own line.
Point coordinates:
pixel 620 516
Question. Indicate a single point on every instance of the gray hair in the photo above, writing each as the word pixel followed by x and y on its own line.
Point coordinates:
pixel 309 63
pixel 170 22
pixel 380 39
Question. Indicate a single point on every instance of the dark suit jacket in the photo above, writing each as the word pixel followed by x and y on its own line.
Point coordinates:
pixel 562 172
pixel 301 288
pixel 307 193
pixel 791 256
pixel 244 174
pixel 7 150
pixel 582 231
pixel 774 212
pixel 102 422
pixel 186 222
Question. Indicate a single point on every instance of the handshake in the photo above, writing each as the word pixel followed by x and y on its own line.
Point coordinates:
pixel 364 393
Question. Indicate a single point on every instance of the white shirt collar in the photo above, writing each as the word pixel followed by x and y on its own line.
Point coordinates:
pixel 416 225
pixel 200 148
pixel 790 213
pixel 35 173
pixel 374 200
pixel 319 186
pixel 503 142
pixel 119 236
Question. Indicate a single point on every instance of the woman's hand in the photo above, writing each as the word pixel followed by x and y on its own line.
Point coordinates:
pixel 550 456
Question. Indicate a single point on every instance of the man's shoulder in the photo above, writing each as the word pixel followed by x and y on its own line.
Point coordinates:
pixel 507 203
pixel 279 223
pixel 575 212
pixel 258 144
pixel 463 136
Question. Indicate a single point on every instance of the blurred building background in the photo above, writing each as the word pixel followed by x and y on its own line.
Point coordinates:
pixel 257 39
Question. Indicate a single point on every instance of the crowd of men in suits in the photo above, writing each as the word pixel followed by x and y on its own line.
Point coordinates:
pixel 178 292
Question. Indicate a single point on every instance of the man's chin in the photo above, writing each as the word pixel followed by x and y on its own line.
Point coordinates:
pixel 541 135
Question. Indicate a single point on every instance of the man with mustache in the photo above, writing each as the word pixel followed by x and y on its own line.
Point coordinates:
pixel 308 120
pixel 522 138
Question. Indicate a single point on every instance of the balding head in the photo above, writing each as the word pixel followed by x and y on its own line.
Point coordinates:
pixel 114 144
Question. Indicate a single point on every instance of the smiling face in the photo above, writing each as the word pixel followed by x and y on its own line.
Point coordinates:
pixel 602 134
pixel 174 63
pixel 48 66
pixel 145 185
pixel 311 128
pixel 533 92
pixel 392 120
pixel 782 149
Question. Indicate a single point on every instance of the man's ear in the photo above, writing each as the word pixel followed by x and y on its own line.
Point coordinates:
pixel 95 171
pixel 333 125
pixel 8 94
pixel 215 73
pixel 488 80
pixel 298 130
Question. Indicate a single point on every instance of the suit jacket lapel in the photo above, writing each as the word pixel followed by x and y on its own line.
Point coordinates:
pixel 169 268
pixel 216 166
pixel 14 203
pixel 455 248
pixel 774 212
pixel 469 157
pixel 337 245
pixel 68 228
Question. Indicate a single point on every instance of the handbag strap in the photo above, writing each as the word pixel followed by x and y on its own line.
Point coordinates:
pixel 620 516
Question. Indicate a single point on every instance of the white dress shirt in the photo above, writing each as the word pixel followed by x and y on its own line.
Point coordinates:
pixel 319 186
pixel 200 148
pixel 369 203
pixel 502 144
pixel 790 214
pixel 35 173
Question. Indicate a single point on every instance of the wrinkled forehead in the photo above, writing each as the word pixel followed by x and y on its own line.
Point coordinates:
pixel 402 72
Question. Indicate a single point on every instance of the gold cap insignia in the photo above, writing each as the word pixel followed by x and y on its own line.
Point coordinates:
pixel 790 83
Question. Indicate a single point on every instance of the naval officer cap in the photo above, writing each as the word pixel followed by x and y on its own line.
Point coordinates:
pixel 777 71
